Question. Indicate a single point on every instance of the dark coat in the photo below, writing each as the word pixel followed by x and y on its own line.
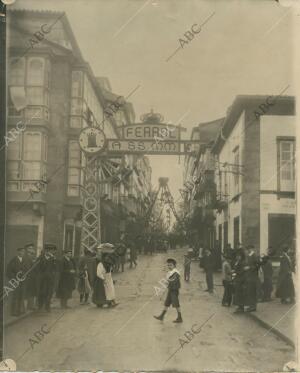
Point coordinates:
pixel 133 252
pixel 14 267
pixel 239 282
pixel 31 284
pixel 174 282
pixel 66 283
pixel 83 275
pixel 46 272
pixel 285 285
pixel 252 272
pixel 16 270
pixel 208 263
pixel 251 275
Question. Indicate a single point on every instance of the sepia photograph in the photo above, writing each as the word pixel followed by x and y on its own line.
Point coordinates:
pixel 148 166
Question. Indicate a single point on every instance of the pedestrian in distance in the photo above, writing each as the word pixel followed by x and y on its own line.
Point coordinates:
pixel 46 273
pixel 99 297
pixel 227 281
pixel 66 283
pixel 121 253
pixel 84 287
pixel 285 285
pixel 208 265
pixel 31 276
pixel 132 254
pixel 252 265
pixel 238 277
pixel 187 264
pixel 201 256
pixel 172 298
pixel 16 269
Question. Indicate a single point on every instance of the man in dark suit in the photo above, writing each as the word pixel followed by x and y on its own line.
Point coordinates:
pixel 16 270
pixel 251 277
pixel 46 271
pixel 66 283
pixel 208 264
pixel 31 277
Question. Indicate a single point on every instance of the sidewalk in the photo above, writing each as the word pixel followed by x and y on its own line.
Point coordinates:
pixel 277 318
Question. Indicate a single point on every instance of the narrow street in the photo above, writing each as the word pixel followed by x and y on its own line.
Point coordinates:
pixel 128 337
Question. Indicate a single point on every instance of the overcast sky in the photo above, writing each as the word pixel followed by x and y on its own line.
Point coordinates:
pixel 244 48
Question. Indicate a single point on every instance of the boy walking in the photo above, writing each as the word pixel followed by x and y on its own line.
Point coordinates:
pixel 172 298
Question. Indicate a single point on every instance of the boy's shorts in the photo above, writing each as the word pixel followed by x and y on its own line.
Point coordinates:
pixel 172 299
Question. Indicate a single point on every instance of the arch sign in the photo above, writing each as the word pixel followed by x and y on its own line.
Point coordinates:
pixel 140 138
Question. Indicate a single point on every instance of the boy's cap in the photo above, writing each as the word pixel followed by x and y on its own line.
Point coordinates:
pixel 20 248
pixel 171 260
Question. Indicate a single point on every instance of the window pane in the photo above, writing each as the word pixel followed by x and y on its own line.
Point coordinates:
pixel 76 84
pixel 35 72
pixel 76 106
pixel 73 191
pixel 31 171
pixel 76 122
pixel 13 186
pixel 287 166
pixel 14 148
pixel 35 96
pixel 32 146
pixel 16 73
pixel 73 175
pixel 74 154
pixel 32 113
pixel 13 170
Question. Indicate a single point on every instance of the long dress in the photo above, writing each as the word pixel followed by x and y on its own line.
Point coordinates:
pixel 99 297
pixel 108 283
pixel 109 287
pixel 285 285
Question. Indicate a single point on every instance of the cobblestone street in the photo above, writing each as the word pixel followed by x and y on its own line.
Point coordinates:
pixel 88 338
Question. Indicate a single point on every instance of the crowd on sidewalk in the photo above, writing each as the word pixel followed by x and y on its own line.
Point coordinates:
pixel 37 280
pixel 248 278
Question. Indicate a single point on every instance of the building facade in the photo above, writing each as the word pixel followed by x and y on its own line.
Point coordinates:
pixel 255 177
pixel 52 95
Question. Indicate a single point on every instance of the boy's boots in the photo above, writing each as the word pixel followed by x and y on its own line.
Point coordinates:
pixel 179 318
pixel 161 316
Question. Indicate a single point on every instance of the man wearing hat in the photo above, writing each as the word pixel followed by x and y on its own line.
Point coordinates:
pixel 31 277
pixel 208 265
pixel 46 271
pixel 16 270
pixel 66 282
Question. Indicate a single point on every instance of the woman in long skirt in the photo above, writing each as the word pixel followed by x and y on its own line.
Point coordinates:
pixel 99 297
pixel 108 281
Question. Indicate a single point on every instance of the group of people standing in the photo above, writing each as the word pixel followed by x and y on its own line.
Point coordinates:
pixel 248 278
pixel 40 278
